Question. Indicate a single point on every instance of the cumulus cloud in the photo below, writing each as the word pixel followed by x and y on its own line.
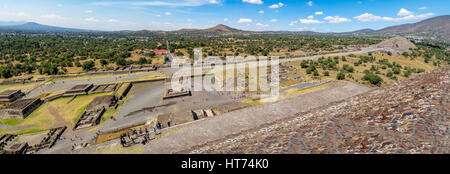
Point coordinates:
pixel 262 25
pixel 91 20
pixel 253 1
pixel 310 3
pixel 293 23
pixel 244 20
pixel 404 12
pixel 167 13
pixel 261 12
pixel 310 21
pixel 403 16
pixel 274 20
pixel 174 3
pixel 88 11
pixel 423 8
pixel 279 5
pixel 336 19
pixel 53 17
pixel 319 13
pixel 113 21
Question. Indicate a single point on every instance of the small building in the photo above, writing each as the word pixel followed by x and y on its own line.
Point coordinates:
pixel 20 109
pixel 170 93
pixel 95 110
pixel 107 102
pixel 10 95
pixel 13 148
pixel 78 90
pixel 160 52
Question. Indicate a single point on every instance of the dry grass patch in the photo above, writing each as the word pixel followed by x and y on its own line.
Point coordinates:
pixel 39 120
pixel 71 112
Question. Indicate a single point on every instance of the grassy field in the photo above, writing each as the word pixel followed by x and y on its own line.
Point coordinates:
pixel 39 120
pixel 358 73
pixel 288 94
pixel 110 113
pixel 71 112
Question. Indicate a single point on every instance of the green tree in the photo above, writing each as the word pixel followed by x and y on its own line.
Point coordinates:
pixel 373 79
pixel 88 65
pixel 340 76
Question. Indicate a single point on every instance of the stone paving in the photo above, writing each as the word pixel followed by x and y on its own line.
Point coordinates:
pixel 409 116
pixel 216 128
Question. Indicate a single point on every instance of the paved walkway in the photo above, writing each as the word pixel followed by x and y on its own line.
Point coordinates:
pixel 200 132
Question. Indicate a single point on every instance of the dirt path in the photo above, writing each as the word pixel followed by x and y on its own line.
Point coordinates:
pixel 59 119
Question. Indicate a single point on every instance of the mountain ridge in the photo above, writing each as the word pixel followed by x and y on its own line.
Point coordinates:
pixel 434 28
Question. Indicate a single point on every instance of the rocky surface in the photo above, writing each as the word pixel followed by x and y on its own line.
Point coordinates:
pixel 409 116
pixel 397 45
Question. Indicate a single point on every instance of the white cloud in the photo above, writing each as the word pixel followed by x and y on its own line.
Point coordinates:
pixel 226 19
pixel 274 20
pixel 293 23
pixel 310 21
pixel 174 3
pixel 88 11
pixel 91 20
pixel 244 20
pixel 310 3
pixel 310 17
pixel 404 12
pixel 403 16
pixel 52 17
pixel 319 13
pixel 214 2
pixel 253 1
pixel 167 13
pixel 158 15
pixel 59 5
pixel 279 5
pixel 423 8
pixel 261 12
pixel 336 19
pixel 262 25
pixel 113 21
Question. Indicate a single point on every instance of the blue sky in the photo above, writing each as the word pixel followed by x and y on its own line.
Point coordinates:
pixel 292 15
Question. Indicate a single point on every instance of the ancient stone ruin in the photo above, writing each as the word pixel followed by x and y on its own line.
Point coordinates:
pixel 10 95
pixel 170 93
pixel 78 90
pixel 20 109
pixel 95 110
pixel 28 144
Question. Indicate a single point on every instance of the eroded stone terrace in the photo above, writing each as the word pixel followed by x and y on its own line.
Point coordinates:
pixel 410 116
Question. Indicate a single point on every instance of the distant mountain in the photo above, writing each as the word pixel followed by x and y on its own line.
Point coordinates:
pixel 360 32
pixel 434 28
pixel 437 27
pixel 32 26
pixel 217 29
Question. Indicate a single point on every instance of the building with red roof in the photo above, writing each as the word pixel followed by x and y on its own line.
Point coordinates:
pixel 160 52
